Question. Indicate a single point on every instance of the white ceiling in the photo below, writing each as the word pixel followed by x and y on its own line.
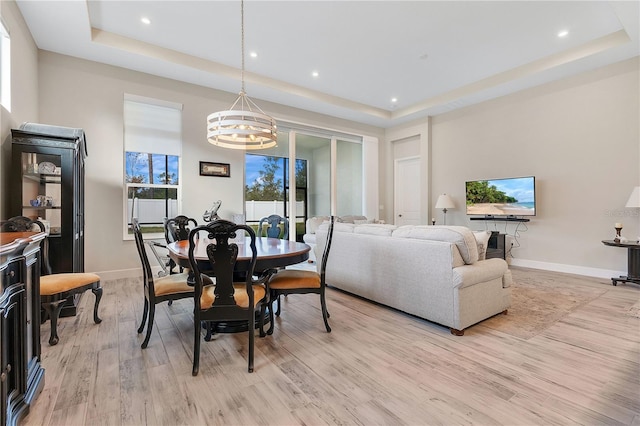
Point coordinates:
pixel 433 56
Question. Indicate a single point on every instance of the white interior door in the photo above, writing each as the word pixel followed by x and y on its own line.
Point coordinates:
pixel 407 199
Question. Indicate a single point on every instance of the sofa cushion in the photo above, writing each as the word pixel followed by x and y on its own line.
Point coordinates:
pixel 337 227
pixel 375 229
pixel 482 238
pixel 461 236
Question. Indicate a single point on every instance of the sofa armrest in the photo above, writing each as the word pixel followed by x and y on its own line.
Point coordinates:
pixel 311 225
pixel 479 272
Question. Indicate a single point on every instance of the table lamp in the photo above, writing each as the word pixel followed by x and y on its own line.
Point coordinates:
pixel 634 201
pixel 445 202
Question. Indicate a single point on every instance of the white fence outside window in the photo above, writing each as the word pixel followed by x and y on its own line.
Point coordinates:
pixel 256 210
pixel 153 211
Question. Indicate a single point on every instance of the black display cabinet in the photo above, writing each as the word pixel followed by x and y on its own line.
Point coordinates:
pixel 47 183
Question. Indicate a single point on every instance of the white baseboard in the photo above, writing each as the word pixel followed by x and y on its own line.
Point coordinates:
pixel 568 269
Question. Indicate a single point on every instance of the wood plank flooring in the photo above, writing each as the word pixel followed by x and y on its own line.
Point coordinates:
pixel 378 366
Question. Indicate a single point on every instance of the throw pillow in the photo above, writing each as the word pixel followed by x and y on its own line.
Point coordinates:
pixel 482 238
pixel 362 221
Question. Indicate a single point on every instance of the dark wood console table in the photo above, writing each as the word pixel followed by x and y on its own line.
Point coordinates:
pixel 633 263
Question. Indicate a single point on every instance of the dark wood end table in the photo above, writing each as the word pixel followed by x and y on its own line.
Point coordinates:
pixel 633 263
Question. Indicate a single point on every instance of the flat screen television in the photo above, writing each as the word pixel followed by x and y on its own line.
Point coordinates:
pixel 502 197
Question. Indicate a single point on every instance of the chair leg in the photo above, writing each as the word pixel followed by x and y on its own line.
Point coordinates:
pixel 145 312
pixel 98 293
pixel 53 310
pixel 325 313
pixel 196 348
pixel 279 302
pixel 271 317
pixel 152 312
pixel 263 311
pixel 252 326
pixel 211 330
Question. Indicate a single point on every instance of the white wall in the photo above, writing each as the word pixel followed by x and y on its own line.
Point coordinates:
pixel 579 137
pixel 79 93
pixel 24 91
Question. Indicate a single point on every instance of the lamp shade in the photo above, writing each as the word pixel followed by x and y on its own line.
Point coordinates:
pixel 634 198
pixel 445 202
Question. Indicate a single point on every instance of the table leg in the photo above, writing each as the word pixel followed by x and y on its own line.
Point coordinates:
pixel 633 268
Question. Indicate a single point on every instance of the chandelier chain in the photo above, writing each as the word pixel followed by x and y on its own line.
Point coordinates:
pixel 242 41
pixel 240 128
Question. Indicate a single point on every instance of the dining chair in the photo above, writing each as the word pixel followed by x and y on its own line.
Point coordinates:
pixel 156 290
pixel 293 281
pixel 226 300
pixel 273 226
pixel 56 288
pixel 177 229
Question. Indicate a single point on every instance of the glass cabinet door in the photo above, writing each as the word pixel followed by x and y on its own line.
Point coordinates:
pixel 42 189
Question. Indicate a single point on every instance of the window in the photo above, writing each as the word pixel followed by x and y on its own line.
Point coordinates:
pixel 153 144
pixel 267 187
pixel 5 67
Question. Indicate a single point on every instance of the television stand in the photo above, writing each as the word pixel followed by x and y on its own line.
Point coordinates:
pixel 501 218
pixel 496 246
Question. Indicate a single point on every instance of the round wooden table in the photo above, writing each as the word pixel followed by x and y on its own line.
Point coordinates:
pixel 271 253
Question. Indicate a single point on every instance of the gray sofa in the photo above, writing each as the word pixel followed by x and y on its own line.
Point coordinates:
pixel 434 272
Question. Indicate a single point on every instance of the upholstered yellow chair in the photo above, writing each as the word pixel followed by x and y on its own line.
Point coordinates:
pixel 229 299
pixel 293 281
pixel 55 289
pixel 156 290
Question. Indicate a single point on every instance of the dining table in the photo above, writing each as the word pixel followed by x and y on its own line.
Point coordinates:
pixel 272 253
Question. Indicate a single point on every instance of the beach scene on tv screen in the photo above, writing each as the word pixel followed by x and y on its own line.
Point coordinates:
pixel 504 197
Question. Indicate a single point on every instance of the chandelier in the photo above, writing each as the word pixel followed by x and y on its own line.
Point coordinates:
pixel 244 125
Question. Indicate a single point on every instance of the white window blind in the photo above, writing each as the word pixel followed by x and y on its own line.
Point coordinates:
pixel 152 126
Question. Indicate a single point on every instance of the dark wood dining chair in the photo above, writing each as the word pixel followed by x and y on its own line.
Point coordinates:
pixel 293 281
pixel 226 300
pixel 156 290
pixel 56 288
pixel 177 229
pixel 272 227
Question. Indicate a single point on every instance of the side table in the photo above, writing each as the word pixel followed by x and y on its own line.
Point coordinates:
pixel 633 263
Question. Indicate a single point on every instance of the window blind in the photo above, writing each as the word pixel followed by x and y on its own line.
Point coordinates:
pixel 152 127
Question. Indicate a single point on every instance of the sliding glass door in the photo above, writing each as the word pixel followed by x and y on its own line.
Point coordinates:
pixel 327 176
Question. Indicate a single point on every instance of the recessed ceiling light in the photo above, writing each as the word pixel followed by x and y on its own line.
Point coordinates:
pixel 563 33
pixel 145 20
pixel 394 100
pixel 253 54
pixel 315 74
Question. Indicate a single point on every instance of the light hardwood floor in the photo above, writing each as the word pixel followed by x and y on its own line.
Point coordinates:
pixel 378 366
